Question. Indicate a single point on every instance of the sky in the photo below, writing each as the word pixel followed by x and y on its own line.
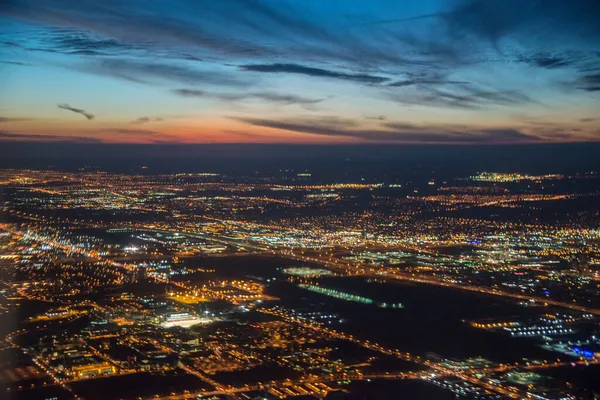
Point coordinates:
pixel 300 71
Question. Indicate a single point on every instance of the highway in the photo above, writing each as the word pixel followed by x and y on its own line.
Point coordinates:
pixel 381 273
pixel 439 370
pixel 289 383
pixel 354 269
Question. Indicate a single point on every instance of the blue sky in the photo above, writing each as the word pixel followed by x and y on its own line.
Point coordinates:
pixel 283 71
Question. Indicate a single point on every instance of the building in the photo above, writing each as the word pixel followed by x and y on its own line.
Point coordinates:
pixel 91 370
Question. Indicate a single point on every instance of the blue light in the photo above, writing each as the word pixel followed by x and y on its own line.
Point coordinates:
pixel 588 353
pixel 577 350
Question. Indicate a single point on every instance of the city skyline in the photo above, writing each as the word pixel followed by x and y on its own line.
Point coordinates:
pixel 441 72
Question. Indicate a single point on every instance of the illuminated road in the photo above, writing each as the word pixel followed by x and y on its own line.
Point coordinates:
pixel 349 268
pixel 381 273
pixel 487 290
pixel 439 370
pixel 289 383
pixel 220 388
pixel 339 266
pixel 346 268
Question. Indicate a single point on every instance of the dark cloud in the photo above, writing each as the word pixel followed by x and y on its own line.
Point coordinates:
pixel 551 61
pixel 589 83
pixel 415 82
pixel 505 135
pixel 152 136
pixel 195 44
pixel 76 110
pixel 15 63
pixel 281 98
pixel 561 136
pixel 494 20
pixel 325 125
pixel 158 27
pixel 395 132
pixel 189 92
pixel 460 132
pixel 399 20
pixel 46 138
pixel 8 43
pixel 460 95
pixel 147 72
pixel 242 133
pixel 481 136
pixel 427 78
pixel 87 53
pixel 282 30
pixel 470 32
pixel 265 96
pixel 319 128
pixel 310 71
pixel 9 119
pixel 587 119
pixel 72 42
pixel 376 117
pixel 565 133
pixel 143 120
pixel 146 135
pixel 121 131
pixel 80 43
pixel 403 126
pixel 503 97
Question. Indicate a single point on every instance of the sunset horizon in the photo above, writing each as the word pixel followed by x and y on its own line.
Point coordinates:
pixel 241 71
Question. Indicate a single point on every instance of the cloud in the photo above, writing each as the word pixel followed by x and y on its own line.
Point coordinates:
pixel 76 42
pixel 460 54
pixel 376 117
pixel 23 64
pixel 46 138
pixel 423 81
pixel 330 126
pixel 124 131
pixel 144 135
pixel 589 83
pixel 394 132
pixel 243 134
pixel 147 135
pixel 587 119
pixel 224 28
pixel 142 71
pixel 551 33
pixel 463 133
pixel 73 42
pixel 76 110
pixel 565 133
pixel 460 95
pixel 492 21
pixel 278 98
pixel 144 120
pixel 9 119
pixel 311 71
pixel 270 30
pixel 399 20
pixel 319 127
pixel 552 61
pixel 189 92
